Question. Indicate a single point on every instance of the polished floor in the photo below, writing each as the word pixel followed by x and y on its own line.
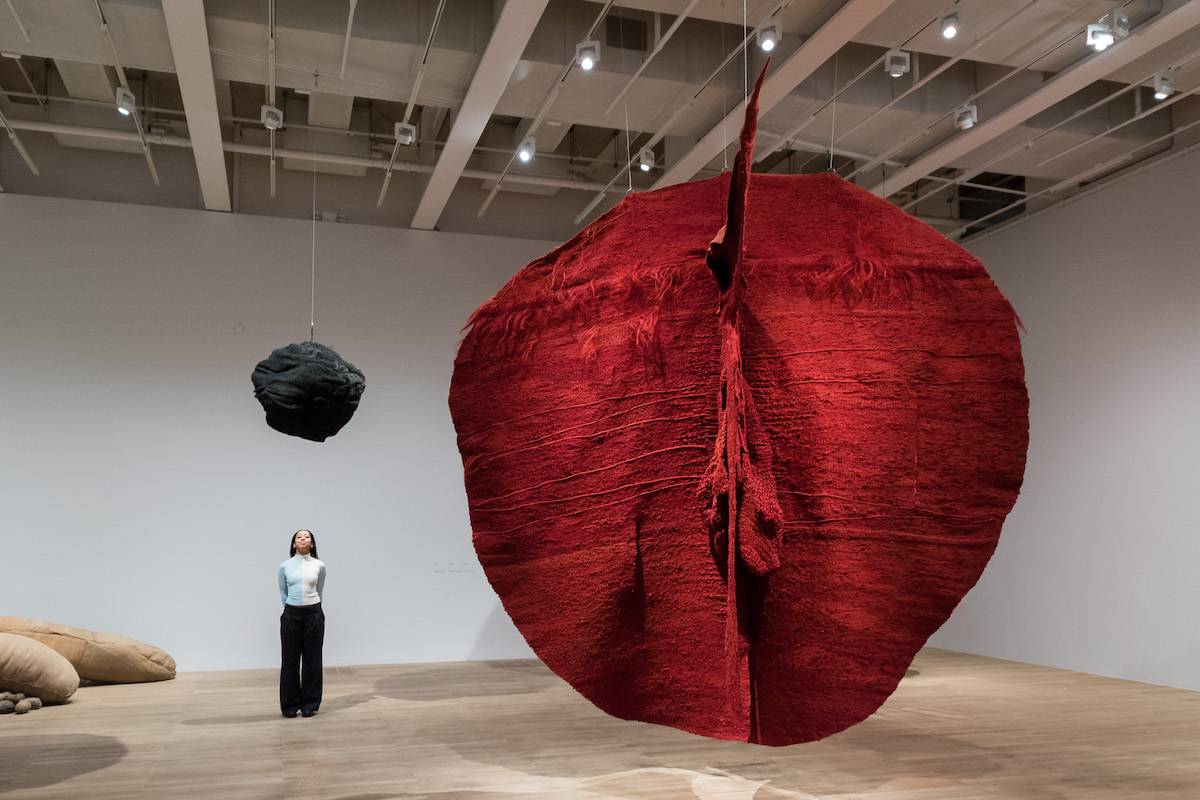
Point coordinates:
pixel 959 727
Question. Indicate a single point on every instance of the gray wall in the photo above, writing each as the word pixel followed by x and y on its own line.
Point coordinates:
pixel 142 491
pixel 1098 563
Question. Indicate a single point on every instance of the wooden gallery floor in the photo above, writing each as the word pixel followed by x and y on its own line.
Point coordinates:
pixel 958 727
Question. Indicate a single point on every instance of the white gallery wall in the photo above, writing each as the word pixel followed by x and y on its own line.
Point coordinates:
pixel 143 493
pixel 1098 567
pixel 140 488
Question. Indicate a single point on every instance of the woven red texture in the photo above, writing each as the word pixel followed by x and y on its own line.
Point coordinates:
pixel 886 416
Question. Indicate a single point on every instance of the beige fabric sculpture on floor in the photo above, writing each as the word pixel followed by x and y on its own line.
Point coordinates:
pixel 97 656
pixel 32 668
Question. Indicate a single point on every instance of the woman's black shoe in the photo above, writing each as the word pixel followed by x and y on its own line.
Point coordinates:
pixel 310 713
pixel 290 714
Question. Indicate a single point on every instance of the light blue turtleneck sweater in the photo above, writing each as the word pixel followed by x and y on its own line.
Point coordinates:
pixel 301 580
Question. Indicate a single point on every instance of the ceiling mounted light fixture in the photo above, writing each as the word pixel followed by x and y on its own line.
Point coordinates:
pixel 126 104
pixel 645 159
pixel 966 117
pixel 527 149
pixel 406 134
pixel 1164 84
pixel 1099 36
pixel 950 25
pixel 587 54
pixel 271 118
pixel 897 63
pixel 769 35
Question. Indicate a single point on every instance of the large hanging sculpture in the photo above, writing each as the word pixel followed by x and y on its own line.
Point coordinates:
pixel 307 390
pixel 734 487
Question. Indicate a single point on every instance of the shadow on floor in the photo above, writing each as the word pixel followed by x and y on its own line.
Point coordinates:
pixel 330 705
pixel 44 760
pixel 885 751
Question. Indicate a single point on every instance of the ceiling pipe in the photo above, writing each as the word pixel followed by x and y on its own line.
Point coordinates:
pixel 1142 41
pixel 170 140
pixel 374 135
pixel 545 109
pixel 270 85
pixel 16 140
pixel 1154 109
pixel 124 81
pixel 658 48
pixel 941 68
pixel 412 101
pixel 870 68
pixel 20 24
pixel 964 178
pixel 1097 187
pixel 679 112
pixel 16 57
pixel 346 44
pixel 1079 177
pixel 970 99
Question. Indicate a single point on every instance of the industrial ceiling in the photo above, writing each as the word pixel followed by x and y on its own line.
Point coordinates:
pixel 413 113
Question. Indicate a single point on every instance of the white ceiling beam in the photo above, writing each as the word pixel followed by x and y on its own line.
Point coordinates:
pixel 1140 42
pixel 510 35
pixel 843 26
pixel 187 30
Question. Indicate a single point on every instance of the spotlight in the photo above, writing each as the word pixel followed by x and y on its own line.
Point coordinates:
pixel 1164 85
pixel 769 35
pixel 526 150
pixel 126 104
pixel 1099 36
pixel 950 25
pixel 406 134
pixel 645 159
pixel 587 54
pixel 271 118
pixel 897 63
pixel 966 117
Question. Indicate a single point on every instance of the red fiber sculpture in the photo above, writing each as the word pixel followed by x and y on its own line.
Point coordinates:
pixel 733 484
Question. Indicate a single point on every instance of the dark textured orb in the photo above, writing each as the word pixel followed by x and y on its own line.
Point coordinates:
pixel 307 390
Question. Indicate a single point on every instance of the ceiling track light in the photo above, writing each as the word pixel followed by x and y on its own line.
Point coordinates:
pixel 769 35
pixel 1099 36
pixel 126 104
pixel 966 117
pixel 406 134
pixel 527 149
pixel 645 159
pixel 897 63
pixel 950 25
pixel 587 54
pixel 1164 84
pixel 271 117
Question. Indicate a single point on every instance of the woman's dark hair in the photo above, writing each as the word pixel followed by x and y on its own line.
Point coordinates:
pixel 313 536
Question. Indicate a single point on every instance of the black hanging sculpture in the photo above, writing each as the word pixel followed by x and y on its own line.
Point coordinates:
pixel 307 390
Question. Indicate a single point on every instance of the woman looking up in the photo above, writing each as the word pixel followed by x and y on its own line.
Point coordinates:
pixel 301 626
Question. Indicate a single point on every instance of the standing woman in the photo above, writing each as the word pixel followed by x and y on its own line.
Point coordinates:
pixel 301 627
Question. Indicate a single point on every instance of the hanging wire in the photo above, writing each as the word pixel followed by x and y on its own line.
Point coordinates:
pixel 312 291
pixel 628 146
pixel 745 56
pixel 833 112
pixel 724 98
